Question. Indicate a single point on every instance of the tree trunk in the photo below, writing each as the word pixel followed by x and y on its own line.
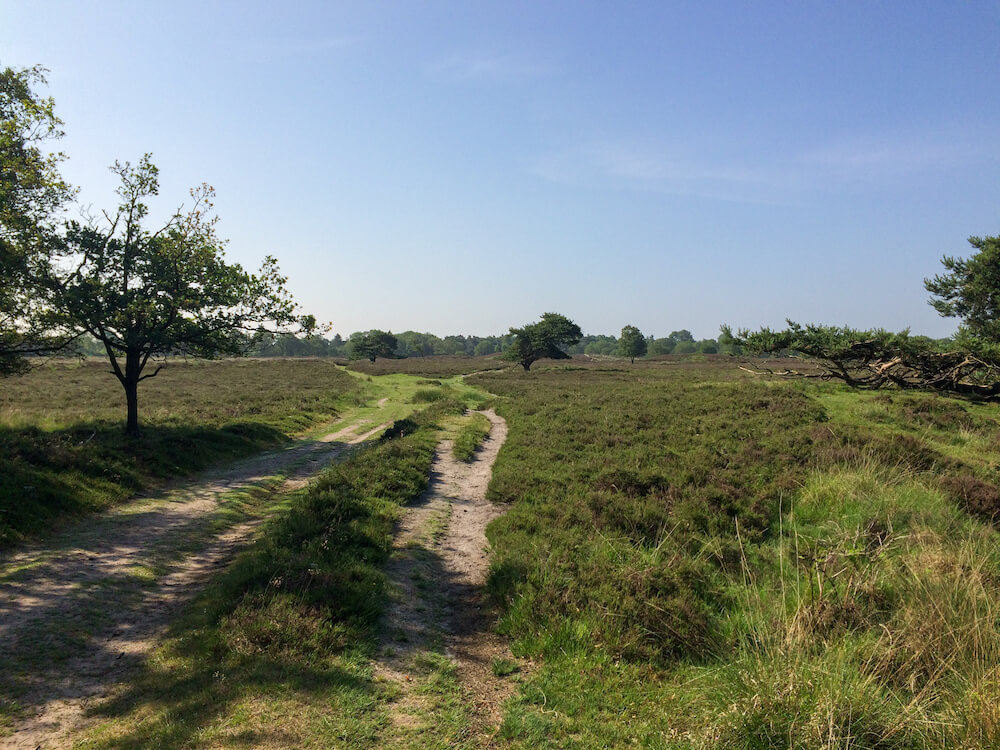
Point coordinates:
pixel 131 386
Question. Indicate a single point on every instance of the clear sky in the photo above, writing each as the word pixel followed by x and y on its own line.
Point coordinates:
pixel 462 167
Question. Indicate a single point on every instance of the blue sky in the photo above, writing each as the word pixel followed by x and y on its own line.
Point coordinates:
pixel 463 167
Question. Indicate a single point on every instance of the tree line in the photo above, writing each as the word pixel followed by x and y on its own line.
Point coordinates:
pixel 415 344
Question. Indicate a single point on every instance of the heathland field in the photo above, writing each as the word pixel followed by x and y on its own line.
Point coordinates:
pixel 63 450
pixel 690 557
pixel 694 558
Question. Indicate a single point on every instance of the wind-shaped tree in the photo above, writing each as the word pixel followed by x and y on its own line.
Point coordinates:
pixel 545 339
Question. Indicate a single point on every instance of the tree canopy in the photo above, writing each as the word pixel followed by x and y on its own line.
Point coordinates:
pixel 632 343
pixel 144 293
pixel 545 339
pixel 32 195
pixel 372 344
pixel 971 291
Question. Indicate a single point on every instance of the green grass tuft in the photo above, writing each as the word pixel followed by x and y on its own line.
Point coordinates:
pixel 470 437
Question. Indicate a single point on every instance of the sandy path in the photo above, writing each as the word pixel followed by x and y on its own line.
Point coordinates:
pixel 79 612
pixel 437 571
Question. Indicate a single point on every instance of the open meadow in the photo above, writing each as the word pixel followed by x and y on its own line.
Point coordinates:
pixel 695 558
pixel 61 438
pixel 690 557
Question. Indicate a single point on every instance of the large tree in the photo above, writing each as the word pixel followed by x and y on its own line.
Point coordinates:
pixel 546 339
pixel 144 293
pixel 372 344
pixel 971 290
pixel 32 195
pixel 632 343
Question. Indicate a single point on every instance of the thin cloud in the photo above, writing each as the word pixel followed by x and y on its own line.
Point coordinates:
pixel 869 159
pixel 785 178
pixel 487 68
pixel 647 168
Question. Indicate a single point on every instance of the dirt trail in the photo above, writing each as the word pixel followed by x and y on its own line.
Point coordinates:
pixel 79 612
pixel 438 571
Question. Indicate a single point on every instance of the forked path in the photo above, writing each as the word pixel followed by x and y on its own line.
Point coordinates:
pixel 78 613
pixel 438 571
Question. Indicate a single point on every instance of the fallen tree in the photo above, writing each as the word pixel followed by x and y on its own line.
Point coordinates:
pixel 875 358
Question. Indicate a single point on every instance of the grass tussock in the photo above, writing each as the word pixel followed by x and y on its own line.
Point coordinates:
pixel 471 435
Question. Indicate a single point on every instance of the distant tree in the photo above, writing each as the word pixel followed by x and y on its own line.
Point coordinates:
pixel 632 343
pixel 545 339
pixel 146 293
pixel 727 343
pixel 372 344
pixel 413 344
pixel 708 346
pixel 661 346
pixel 681 335
pixel 971 291
pixel 292 345
pixel 601 345
pixel 685 347
pixel 453 345
pixel 488 345
pixel 32 195
pixel 337 345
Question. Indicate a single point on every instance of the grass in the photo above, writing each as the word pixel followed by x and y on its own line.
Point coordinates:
pixel 435 366
pixel 65 454
pixel 701 560
pixel 277 650
pixel 691 558
pixel 470 437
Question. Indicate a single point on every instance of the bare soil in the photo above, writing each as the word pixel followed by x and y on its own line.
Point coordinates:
pixel 438 572
pixel 79 612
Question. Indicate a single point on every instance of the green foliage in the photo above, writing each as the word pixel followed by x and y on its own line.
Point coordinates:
pixel 32 193
pixel 545 339
pixel 875 358
pixel 632 343
pixel 626 481
pixel 971 289
pixel 372 344
pixel 290 627
pixel 657 347
pixel 751 564
pixel 64 453
pixel 436 366
pixel 145 293
pixel 470 437
pixel 685 347
pixel 428 395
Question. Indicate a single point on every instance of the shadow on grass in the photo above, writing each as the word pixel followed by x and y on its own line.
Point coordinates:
pixel 51 475
pixel 184 705
pixel 293 613
pixel 84 604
